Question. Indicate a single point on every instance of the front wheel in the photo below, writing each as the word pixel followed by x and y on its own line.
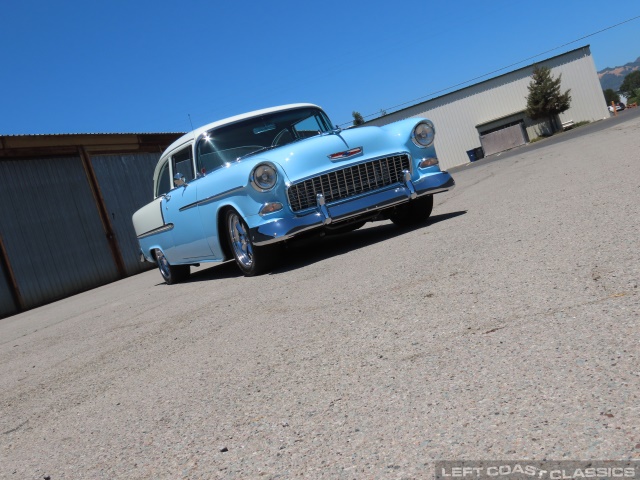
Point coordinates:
pixel 171 273
pixel 251 260
pixel 413 213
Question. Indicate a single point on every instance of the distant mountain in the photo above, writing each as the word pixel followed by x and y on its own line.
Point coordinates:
pixel 612 77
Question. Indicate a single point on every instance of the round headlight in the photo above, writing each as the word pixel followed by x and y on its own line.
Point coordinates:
pixel 423 134
pixel 264 177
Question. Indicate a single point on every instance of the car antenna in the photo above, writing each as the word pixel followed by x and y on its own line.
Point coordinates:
pixel 189 115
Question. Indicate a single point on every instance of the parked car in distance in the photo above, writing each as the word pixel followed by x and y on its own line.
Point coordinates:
pixel 240 187
pixel 619 107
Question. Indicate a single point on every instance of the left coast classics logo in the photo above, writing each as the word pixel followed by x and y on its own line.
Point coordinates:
pixel 546 470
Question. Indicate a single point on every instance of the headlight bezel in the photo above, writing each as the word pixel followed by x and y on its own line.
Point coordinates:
pixel 430 136
pixel 257 181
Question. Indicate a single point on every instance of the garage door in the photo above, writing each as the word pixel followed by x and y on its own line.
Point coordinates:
pixel 503 139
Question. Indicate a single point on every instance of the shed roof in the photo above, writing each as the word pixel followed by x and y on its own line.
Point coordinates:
pixel 65 143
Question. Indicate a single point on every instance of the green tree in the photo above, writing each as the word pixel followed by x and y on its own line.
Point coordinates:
pixel 630 83
pixel 611 96
pixel 545 99
pixel 635 98
pixel 357 119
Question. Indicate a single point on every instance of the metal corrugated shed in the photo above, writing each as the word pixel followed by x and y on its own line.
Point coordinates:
pixel 126 182
pixel 458 115
pixel 51 229
pixel 65 212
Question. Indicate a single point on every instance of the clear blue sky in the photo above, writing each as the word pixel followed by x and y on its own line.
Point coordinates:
pixel 141 66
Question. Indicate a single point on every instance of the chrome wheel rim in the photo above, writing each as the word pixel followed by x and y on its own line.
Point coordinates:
pixel 242 248
pixel 163 265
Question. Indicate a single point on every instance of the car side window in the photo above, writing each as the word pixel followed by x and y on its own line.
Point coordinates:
pixel 182 162
pixel 164 180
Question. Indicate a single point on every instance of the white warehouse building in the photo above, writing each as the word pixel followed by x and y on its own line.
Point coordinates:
pixel 489 117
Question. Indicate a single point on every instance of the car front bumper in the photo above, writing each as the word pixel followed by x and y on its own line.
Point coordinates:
pixel 285 228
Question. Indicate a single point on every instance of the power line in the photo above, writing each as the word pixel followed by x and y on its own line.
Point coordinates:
pixel 498 70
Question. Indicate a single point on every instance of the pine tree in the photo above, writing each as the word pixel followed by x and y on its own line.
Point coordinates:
pixel 357 119
pixel 545 99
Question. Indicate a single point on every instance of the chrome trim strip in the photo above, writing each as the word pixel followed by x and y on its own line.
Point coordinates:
pixel 165 228
pixel 210 199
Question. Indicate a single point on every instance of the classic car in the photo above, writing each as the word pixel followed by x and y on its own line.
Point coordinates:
pixel 241 187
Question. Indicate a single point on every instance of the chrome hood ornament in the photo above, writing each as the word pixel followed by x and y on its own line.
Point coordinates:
pixel 346 154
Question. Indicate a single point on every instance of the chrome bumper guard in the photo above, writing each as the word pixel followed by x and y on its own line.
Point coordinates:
pixel 286 228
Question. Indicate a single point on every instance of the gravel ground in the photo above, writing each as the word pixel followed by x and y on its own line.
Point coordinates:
pixel 508 328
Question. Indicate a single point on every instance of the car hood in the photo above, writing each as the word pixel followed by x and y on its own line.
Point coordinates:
pixel 310 157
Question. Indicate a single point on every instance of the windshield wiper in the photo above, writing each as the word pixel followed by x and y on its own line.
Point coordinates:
pixel 262 149
pixel 270 147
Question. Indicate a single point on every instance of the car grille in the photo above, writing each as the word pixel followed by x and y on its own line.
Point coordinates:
pixel 350 181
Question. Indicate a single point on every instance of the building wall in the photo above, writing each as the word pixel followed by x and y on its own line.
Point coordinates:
pixel 457 115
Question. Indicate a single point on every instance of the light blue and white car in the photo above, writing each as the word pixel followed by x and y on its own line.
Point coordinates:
pixel 240 187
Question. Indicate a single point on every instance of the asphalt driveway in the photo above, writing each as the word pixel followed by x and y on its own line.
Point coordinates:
pixel 506 328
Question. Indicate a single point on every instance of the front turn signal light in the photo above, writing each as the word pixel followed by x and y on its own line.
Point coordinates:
pixel 428 162
pixel 270 208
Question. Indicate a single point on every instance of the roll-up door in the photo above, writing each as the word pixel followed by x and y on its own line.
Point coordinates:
pixel 503 139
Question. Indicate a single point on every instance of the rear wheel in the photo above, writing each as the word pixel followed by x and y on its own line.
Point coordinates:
pixel 413 213
pixel 171 273
pixel 251 260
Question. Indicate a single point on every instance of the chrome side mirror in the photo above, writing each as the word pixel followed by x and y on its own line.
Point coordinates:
pixel 179 181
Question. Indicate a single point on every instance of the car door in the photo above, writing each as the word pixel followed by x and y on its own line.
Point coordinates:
pixel 180 207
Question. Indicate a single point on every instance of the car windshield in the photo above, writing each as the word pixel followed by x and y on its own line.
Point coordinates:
pixel 229 143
